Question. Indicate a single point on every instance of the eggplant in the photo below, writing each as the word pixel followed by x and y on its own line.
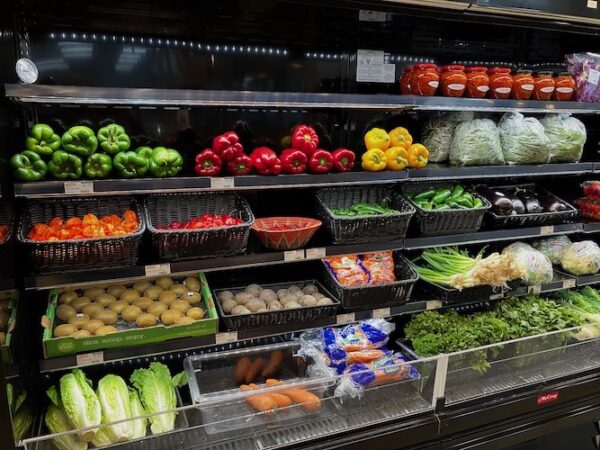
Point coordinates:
pixel 518 206
pixel 532 205
pixel 553 204
pixel 501 204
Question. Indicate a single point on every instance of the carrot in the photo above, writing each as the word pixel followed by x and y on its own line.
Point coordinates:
pixel 245 387
pixel 262 402
pixel 281 399
pixel 273 382
pixel 307 399
pixel 254 369
pixel 241 369
pixel 274 364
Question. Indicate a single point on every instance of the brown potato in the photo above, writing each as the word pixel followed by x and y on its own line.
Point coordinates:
pixel 80 302
pixel 131 313
pixel 93 292
pixel 195 313
pixel 143 303
pixel 193 284
pixel 153 292
pixel 118 306
pixel 180 305
pixel 145 320
pixel 169 317
pixel 106 329
pixel 91 308
pixel 67 297
pixel 63 312
pixel 107 316
pixel 105 299
pixel 129 295
pixel 64 330
pixel 179 289
pixel 116 290
pixel 164 282
pixel 93 325
pixel 167 297
pixel 79 320
pixel 81 334
pixel 193 298
pixel 157 308
pixel 141 286
pixel 184 320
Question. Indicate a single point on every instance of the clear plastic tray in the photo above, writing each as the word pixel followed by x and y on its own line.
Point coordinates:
pixel 215 388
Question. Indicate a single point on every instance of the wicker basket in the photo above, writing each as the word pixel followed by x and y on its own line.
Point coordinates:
pixel 7 219
pixel 356 298
pixel 80 254
pixel 363 229
pixel 271 235
pixel 271 318
pixel 173 245
pixel 447 221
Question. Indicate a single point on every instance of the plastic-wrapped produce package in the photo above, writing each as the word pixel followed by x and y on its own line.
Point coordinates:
pixel 476 143
pixel 523 139
pixel 567 137
pixel 437 134
pixel 533 264
pixel 553 247
pixel 581 258
pixel 585 68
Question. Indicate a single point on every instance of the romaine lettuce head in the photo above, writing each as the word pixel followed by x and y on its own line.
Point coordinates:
pixel 80 403
pixel 138 426
pixel 57 422
pixel 22 422
pixel 114 400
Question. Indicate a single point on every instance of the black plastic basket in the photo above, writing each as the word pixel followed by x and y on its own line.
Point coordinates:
pixel 363 229
pixel 173 245
pixel 7 218
pixel 533 219
pixel 446 221
pixel 80 254
pixel 453 296
pixel 356 298
pixel 284 316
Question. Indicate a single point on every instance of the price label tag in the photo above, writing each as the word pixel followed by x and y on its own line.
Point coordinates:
pixel 592 4
pixel 535 289
pixel 155 270
pixel 78 187
pixel 90 358
pixel 381 313
pixel 546 230
pixel 372 16
pixel 222 183
pixel 570 283
pixel 293 255
pixel 433 304
pixel 496 296
pixel 343 319
pixel 593 76
pixel 316 253
pixel 226 338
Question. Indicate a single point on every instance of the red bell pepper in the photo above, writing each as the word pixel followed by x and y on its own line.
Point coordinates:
pixel 293 161
pixel 242 165
pixel 265 161
pixel 343 159
pixel 227 146
pixel 320 161
pixel 305 138
pixel 208 164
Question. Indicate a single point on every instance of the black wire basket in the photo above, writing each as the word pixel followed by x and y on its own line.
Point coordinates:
pixel 173 245
pixel 451 296
pixel 447 221
pixel 357 298
pixel 363 229
pixel 7 219
pixel 80 254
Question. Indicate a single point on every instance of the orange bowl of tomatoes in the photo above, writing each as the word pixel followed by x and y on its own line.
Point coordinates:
pixel 285 233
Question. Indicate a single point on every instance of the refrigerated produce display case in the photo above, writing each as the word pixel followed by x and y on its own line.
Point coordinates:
pixel 281 224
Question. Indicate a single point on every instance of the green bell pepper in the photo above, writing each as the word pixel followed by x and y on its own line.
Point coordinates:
pixel 98 165
pixel 79 140
pixel 42 140
pixel 130 164
pixel 28 166
pixel 64 165
pixel 165 162
pixel 113 139
pixel 146 152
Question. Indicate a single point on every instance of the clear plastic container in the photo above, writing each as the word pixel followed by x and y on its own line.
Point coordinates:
pixel 215 379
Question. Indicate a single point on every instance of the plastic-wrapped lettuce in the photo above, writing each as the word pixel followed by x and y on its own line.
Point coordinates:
pixel 476 143
pixel 523 139
pixel 535 266
pixel 581 258
pixel 567 137
pixel 553 247
pixel 437 133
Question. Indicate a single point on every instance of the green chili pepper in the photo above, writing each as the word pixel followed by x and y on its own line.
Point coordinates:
pixel 426 205
pixel 441 207
pixel 477 203
pixel 28 166
pixel 457 190
pixel 441 196
pixel 425 195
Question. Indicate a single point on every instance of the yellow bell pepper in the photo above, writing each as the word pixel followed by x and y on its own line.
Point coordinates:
pixel 396 158
pixel 418 156
pixel 373 160
pixel 400 137
pixel 377 138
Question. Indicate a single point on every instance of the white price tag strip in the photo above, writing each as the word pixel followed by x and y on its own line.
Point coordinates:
pixel 87 359
pixel 570 283
pixel 343 319
pixel 546 230
pixel 222 183
pixel 155 270
pixel 381 313
pixel 78 187
pixel 316 253
pixel 293 255
pixel 592 4
pixel 536 289
pixel 226 338
pixel 433 304
pixel 496 296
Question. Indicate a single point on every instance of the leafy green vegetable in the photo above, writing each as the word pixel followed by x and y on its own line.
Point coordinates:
pixel 57 422
pixel 138 426
pixel 22 422
pixel 567 137
pixel 523 139
pixel 80 403
pixel 476 143
pixel 114 400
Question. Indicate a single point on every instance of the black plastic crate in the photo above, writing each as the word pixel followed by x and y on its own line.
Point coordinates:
pixel 80 254
pixel 363 229
pixel 453 296
pixel 447 221
pixel 271 318
pixel 174 245
pixel 356 298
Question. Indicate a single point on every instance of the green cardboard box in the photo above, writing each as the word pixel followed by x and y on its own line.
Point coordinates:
pixel 13 297
pixel 62 346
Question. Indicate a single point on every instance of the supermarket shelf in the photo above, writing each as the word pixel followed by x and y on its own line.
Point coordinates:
pixel 86 95
pixel 591 227
pixel 442 172
pixel 585 280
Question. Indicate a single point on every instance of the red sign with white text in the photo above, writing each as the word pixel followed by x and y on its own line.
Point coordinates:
pixel 547 398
